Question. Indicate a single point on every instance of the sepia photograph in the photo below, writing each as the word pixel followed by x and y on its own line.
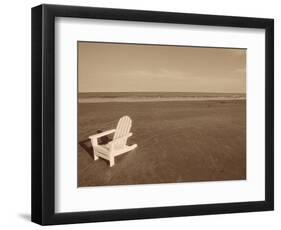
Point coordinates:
pixel 151 114
pixel 141 114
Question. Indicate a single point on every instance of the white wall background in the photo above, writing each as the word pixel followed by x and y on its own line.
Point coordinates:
pixel 15 114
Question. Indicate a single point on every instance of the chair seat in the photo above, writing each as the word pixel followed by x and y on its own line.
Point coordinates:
pixel 103 148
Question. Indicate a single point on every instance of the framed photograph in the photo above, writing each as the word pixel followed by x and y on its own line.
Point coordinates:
pixel 143 114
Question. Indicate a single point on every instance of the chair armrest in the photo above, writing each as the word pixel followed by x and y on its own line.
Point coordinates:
pixel 105 133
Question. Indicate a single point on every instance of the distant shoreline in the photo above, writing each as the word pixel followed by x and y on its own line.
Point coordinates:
pixel 156 99
pixel 101 97
pixel 157 94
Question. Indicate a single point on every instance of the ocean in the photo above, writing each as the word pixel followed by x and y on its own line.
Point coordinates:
pixel 101 97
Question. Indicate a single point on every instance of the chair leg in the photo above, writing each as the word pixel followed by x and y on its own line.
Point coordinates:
pixel 111 161
pixel 96 157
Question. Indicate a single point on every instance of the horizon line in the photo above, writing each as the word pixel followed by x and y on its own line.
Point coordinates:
pixel 157 92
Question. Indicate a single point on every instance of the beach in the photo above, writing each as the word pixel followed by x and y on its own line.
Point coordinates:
pixel 178 141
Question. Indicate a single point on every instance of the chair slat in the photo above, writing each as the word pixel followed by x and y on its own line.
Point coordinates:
pixel 123 128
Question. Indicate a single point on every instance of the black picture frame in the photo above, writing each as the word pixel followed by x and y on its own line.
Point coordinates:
pixel 43 114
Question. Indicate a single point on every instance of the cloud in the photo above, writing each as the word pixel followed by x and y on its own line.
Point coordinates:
pixel 161 74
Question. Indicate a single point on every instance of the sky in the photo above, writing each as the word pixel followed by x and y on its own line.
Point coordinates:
pixel 109 67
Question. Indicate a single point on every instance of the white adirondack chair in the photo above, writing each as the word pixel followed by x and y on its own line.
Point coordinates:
pixel 118 145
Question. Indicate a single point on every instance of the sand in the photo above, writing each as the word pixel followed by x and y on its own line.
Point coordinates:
pixel 178 141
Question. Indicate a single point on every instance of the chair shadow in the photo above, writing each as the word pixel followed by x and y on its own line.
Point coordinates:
pixel 87 146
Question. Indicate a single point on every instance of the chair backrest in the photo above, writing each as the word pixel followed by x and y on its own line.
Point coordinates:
pixel 122 129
